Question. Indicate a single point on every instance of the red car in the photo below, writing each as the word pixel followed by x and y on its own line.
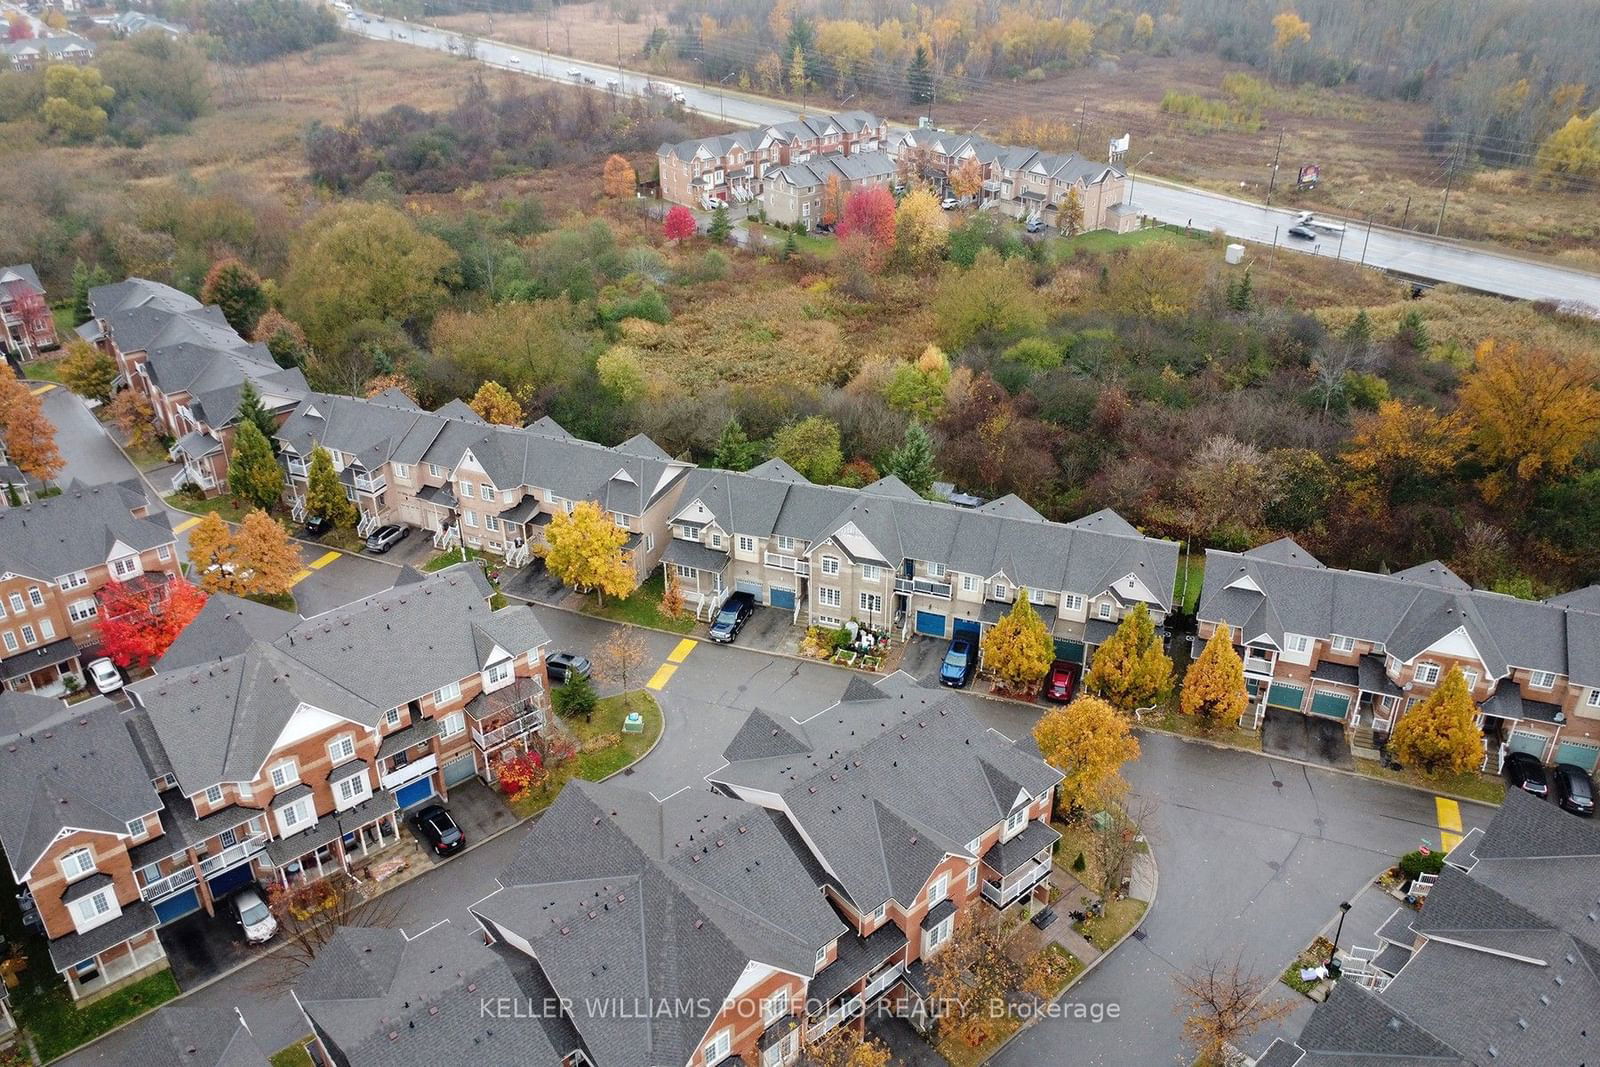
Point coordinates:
pixel 1063 678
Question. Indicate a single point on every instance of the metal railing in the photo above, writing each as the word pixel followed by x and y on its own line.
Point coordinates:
pixel 181 878
pixel 883 980
pixel 847 1009
pixel 522 724
pixel 789 563
pixel 233 854
pixel 1004 893
pixel 447 536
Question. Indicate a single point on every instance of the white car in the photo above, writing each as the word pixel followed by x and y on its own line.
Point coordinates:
pixel 252 913
pixel 105 675
pixel 574 72
pixel 950 203
pixel 513 59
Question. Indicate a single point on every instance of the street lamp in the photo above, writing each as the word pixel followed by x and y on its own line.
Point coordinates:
pixel 1131 171
pixel 1344 909
pixel 722 104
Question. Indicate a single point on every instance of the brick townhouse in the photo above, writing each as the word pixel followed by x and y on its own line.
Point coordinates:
pixel 890 559
pixel 36 53
pixel 56 557
pixel 1500 968
pixel 1023 182
pixel 796 193
pixel 1361 649
pixel 27 327
pixel 190 364
pixel 287 749
pixel 830 861
pixel 495 487
pixel 734 168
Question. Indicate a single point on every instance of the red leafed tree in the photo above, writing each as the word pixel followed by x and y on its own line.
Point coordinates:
pixel 680 224
pixel 28 305
pixel 139 623
pixel 521 773
pixel 19 28
pixel 870 213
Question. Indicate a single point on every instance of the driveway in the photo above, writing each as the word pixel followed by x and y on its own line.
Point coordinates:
pixel 534 583
pixel 768 630
pixel 202 946
pixel 923 655
pixel 1306 737
pixel 476 808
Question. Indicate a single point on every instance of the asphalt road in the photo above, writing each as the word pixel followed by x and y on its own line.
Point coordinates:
pixel 1413 254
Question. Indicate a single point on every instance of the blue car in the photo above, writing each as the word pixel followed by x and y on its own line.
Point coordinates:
pixel 956 670
pixel 731 619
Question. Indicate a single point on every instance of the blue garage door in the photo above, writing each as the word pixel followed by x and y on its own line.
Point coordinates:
pixel 409 796
pixel 1579 754
pixel 226 882
pixel 969 629
pixel 930 623
pixel 176 907
pixel 781 598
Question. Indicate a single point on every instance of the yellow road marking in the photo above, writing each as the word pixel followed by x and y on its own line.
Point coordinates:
pixel 185 524
pixel 302 576
pixel 681 653
pixel 1449 822
pixel 663 673
pixel 45 388
pixel 323 560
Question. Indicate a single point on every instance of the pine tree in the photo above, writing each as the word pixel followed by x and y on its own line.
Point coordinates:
pixel 735 451
pixel 1213 690
pixel 1240 294
pixel 919 77
pixel 576 696
pixel 325 494
pixel 250 410
pixel 254 473
pixel 913 461
pixel 791 245
pixel 1358 334
pixel 1131 670
pixel 1018 649
pixel 721 227
pixel 1440 735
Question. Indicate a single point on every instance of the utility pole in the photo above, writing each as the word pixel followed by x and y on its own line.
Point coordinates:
pixel 1366 242
pixel 1406 214
pixel 1272 179
pixel 1448 178
pixel 1083 120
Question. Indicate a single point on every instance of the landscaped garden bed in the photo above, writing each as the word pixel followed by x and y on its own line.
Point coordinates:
pixel 847 646
pixel 599 748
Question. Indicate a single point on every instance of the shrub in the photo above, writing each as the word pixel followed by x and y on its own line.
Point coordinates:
pixel 1417 863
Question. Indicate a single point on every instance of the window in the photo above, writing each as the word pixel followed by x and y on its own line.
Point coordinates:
pixel 451 724
pixel 776 1007
pixel 73 581
pixel 936 570
pixel 1105 609
pixel 135 827
pixel 490 522
pixel 1296 643
pixel 1542 679
pixel 164 553
pixel 932 939
pixel 486 492
pixel 290 816
pixel 999 591
pixel 939 889
pixel 466 490
pixel 785 544
pixel 1016 821
pixel 353 788
pixel 228 838
pixel 402 472
pixel 716 539
pixel 341 749
pixel 436 471
pixel 28 636
pixel 871 573
pixel 747 543
pixel 446 693
pixel 92 910
pixel 472 519
pixel 718 1047
pixel 1071 602
pixel 245 791
pixel 830 565
pixel 1427 673
pixel 82 610
pixel 881 913
pixel 1036 596
pixel 972 846
pixel 35 597
pixel 285 773
pixel 822 957
pixel 214 794
pixel 1471 678
pixel 17 604
pixel 77 863
pixel 681 571
pixel 392 717
pixel 125 567
pixel 972 877
pixel 1594 698
pixel 497 674
pixel 1340 643
pixel 872 603
pixel 969 583
pixel 47 628
pixel 829 598
pixel 11 641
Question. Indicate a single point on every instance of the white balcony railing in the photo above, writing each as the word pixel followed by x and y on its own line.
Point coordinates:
pixel 410 772
pixel 297 466
pixel 233 854
pixel 1013 888
pixel 522 724
pixel 883 980
pixel 789 563
pixel 181 878
pixel 371 485
pixel 847 1009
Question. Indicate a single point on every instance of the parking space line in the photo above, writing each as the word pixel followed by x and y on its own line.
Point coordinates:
pixel 661 677
pixel 298 578
pixel 681 653
pixel 193 520
pixel 1449 822
pixel 323 560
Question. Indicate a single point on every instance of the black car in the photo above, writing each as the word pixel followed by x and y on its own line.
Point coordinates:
pixel 316 526
pixel 731 619
pixel 1305 233
pixel 1574 788
pixel 441 831
pixel 564 665
pixel 384 538
pixel 1525 772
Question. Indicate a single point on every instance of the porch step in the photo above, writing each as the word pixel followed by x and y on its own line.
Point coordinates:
pixel 1363 744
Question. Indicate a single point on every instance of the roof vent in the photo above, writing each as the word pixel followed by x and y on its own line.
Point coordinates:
pixel 742 829
pixel 1544 999
pixel 1394 1024
pixel 1522 1024
pixel 699 923
pixel 433 1009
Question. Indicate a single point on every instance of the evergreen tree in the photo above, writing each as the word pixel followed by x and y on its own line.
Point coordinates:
pixel 1412 331
pixel 721 227
pixel 1358 334
pixel 576 696
pixel 913 461
pixel 325 494
pixel 254 474
pixel 238 291
pixel 1131 670
pixel 791 245
pixel 84 279
pixel 735 451
pixel 919 77
pixel 251 411
pixel 1240 295
pixel 1213 690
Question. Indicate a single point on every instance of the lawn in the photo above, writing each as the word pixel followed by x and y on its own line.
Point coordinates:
pixel 450 557
pixel 599 763
pixel 44 370
pixel 641 608
pixel 1315 955
pixel 293 1056
pixel 1120 917
pixel 231 509
pixel 1175 722
pixel 961 1053
pixel 58 1027
pixel 1186 586
pixel 146 456
pixel 807 243
pixel 1059 965
pixel 1077 838
pixel 1097 241
pixel 1474 785
pixel 285 601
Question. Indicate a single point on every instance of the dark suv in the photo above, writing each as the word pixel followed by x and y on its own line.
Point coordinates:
pixel 1525 772
pixel 1574 788
pixel 731 619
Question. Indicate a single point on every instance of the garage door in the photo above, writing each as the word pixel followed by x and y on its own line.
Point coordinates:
pixel 1330 705
pixel 782 598
pixel 459 770
pixel 1071 651
pixel 1578 753
pixel 176 907
pixel 1531 743
pixel 745 585
pixel 1283 695
pixel 226 882
pixel 969 629
pixel 930 623
pixel 409 796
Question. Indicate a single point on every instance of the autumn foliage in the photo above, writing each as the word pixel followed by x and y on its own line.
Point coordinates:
pixel 137 624
pixel 617 178
pixel 679 225
pixel 1088 741
pixel 29 437
pixel 1213 689
pixel 1440 735
pixel 869 212
pixel 521 773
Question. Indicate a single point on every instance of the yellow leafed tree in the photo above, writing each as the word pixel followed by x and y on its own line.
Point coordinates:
pixel 1131 670
pixel 265 561
pixel 1213 690
pixel 1018 649
pixel 1531 412
pixel 210 545
pixel 1440 735
pixel 921 231
pixel 617 178
pixel 585 551
pixel 966 179
pixel 1088 741
pixel 494 403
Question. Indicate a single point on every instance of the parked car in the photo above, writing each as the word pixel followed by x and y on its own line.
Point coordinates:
pixel 440 830
pixel 1060 682
pixel 105 675
pixel 959 663
pixel 564 665
pixel 588 80
pixel 1305 233
pixel 1525 772
pixel 1574 788
pixel 1034 226
pixel 731 619
pixel 949 203
pixel 316 526
pixel 384 538
pixel 252 913
pixel 513 59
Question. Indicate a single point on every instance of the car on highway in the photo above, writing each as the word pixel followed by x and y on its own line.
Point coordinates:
pixel 1524 771
pixel 1574 788
pixel 104 674
pixel 958 664
pixel 1059 683
pixel 566 665
pixel 736 611
pixel 949 203
pixel 513 59
pixel 252 913
pixel 574 72
pixel 386 537
pixel 588 80
pixel 439 830
pixel 1305 233
pixel 612 84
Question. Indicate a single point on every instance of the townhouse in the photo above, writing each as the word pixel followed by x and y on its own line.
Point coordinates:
pixel 281 754
pixel 191 365
pixel 494 487
pixel 1362 649
pixel 14 488
pixel 891 560
pixel 27 327
pixel 57 555
pixel 133 23
pixel 36 53
pixel 1500 967
pixel 734 168
pixel 1022 182
pixel 797 192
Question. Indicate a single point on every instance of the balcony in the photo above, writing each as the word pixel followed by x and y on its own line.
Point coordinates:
pixel 368 484
pixel 182 878
pixel 296 466
pixel 410 772
pixel 529 722
pixel 518 708
pixel 1001 894
pixel 923 587
pixel 1261 663
pixel 789 563
pixel 232 855
pixel 847 1009
pixel 883 980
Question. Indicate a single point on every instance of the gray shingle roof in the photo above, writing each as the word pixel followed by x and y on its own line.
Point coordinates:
pixel 76 530
pixel 1357 1022
pixel 226 626
pixel 182 1035
pixel 135 919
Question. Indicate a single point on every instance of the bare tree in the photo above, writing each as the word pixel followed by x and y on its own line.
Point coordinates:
pixel 309 915
pixel 1117 838
pixel 1223 1002
pixel 623 656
